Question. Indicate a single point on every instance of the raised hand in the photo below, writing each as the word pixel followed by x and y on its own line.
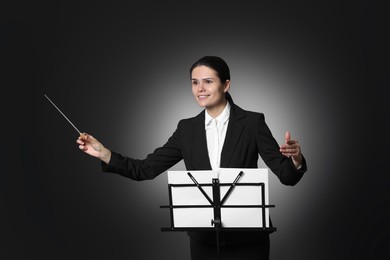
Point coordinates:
pixel 90 145
pixel 292 149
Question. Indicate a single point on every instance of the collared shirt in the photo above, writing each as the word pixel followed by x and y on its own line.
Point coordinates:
pixel 215 135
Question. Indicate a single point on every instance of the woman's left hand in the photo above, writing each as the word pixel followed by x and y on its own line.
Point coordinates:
pixel 291 148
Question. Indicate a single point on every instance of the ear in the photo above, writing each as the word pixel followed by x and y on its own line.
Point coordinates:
pixel 227 86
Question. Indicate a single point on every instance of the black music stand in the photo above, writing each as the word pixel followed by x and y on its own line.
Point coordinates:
pixel 216 203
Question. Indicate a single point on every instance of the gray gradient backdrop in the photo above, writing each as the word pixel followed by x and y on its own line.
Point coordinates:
pixel 121 73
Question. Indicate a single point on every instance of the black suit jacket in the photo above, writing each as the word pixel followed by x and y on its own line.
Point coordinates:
pixel 247 137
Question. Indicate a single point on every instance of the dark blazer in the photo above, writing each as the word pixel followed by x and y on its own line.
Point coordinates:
pixel 247 137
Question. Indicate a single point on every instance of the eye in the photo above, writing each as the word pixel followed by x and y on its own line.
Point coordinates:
pixel 208 81
pixel 194 82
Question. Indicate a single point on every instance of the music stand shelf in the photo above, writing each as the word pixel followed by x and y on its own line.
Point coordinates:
pixel 218 205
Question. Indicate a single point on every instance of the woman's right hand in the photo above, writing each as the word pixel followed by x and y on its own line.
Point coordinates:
pixel 90 145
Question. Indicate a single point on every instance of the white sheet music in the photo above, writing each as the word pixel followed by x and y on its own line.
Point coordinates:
pixel 241 195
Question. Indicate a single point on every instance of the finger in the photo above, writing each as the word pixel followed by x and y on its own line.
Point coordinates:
pixel 287 136
pixel 290 146
pixel 289 150
pixel 89 137
pixel 83 136
pixel 80 141
pixel 286 154
pixel 289 155
pixel 292 142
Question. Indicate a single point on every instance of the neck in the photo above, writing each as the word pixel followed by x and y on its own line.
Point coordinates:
pixel 215 111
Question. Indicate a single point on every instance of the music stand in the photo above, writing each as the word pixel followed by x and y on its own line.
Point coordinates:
pixel 227 199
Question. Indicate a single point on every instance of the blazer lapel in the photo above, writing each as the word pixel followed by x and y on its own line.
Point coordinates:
pixel 233 134
pixel 200 155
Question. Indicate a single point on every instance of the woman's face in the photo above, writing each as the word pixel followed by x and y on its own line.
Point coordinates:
pixel 207 88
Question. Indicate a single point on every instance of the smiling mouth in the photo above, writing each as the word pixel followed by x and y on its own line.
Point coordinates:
pixel 203 96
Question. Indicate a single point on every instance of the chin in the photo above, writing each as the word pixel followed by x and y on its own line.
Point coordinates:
pixel 202 104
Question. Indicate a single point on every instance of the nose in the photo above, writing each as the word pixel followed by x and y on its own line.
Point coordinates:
pixel 201 87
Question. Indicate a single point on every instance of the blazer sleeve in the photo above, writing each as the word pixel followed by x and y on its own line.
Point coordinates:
pixel 153 165
pixel 268 148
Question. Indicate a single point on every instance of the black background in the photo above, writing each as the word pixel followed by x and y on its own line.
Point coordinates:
pixel 120 72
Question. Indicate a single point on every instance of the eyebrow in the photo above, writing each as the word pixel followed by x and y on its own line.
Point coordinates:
pixel 203 79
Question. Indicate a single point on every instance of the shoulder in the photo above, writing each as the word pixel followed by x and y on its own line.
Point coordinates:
pixel 191 121
pixel 239 113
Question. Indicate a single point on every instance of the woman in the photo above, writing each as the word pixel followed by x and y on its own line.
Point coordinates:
pixel 222 136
